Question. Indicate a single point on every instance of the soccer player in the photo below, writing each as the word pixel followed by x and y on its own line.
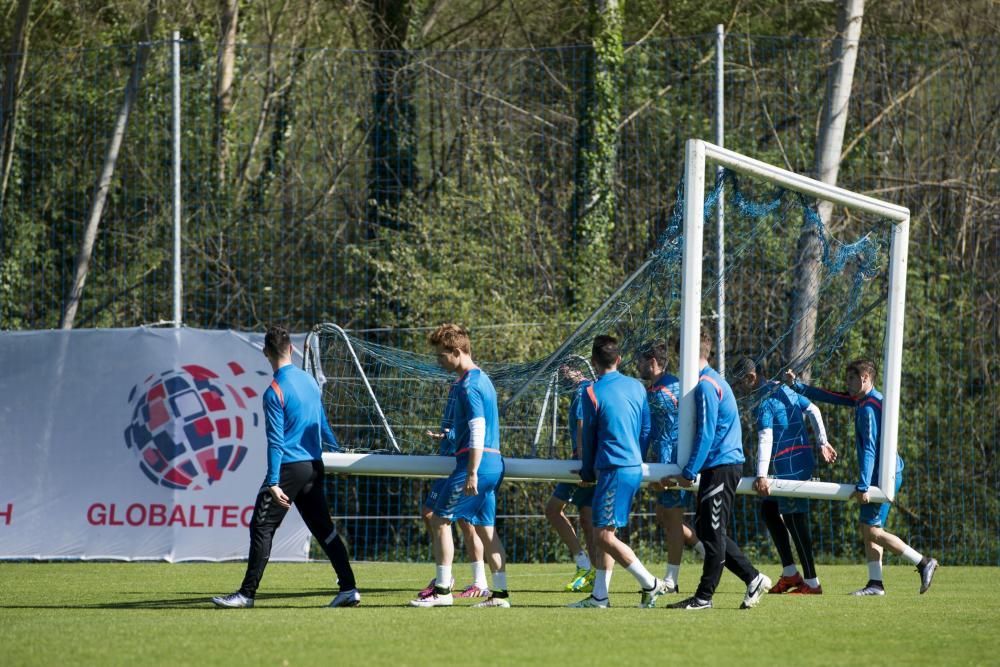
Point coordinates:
pixel 469 493
pixel 717 454
pixel 867 403
pixel 296 426
pixel 615 431
pixel 577 494
pixel 780 416
pixel 473 545
pixel 661 393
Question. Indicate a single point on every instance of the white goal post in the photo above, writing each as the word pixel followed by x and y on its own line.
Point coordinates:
pixel 697 153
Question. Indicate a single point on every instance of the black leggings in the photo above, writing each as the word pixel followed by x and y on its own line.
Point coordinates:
pixel 716 493
pixel 302 482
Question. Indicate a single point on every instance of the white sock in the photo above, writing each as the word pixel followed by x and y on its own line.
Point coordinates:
pixel 443 576
pixel 673 573
pixel 699 549
pixel 790 571
pixel 641 574
pixel 601 583
pixel 875 570
pixel 813 583
pixel 582 561
pixel 912 555
pixel 499 581
pixel 479 574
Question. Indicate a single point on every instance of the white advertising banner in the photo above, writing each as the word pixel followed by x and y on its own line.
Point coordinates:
pixel 134 444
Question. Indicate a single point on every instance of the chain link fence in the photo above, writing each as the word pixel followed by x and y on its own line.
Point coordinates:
pixel 296 198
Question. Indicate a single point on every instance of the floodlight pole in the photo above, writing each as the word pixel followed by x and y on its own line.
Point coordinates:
pixel 720 215
pixel 176 75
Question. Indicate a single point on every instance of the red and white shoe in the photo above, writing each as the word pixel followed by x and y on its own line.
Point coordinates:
pixel 473 591
pixel 429 589
pixel 806 589
pixel 434 600
pixel 786 584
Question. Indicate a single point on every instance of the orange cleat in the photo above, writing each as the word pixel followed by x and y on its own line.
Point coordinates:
pixel 786 584
pixel 806 589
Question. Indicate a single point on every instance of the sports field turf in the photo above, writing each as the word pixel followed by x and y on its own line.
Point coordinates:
pixel 158 613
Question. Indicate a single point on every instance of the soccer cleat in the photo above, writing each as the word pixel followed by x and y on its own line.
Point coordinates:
pixel 429 589
pixel 786 584
pixel 580 580
pixel 760 585
pixel 233 601
pixel 871 588
pixel 493 601
pixel 351 598
pixel 434 600
pixel 670 587
pixel 927 574
pixel 692 603
pixel 473 591
pixel 590 602
pixel 805 589
pixel 648 598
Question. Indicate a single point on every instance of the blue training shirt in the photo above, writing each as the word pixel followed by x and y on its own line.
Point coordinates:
pixel 576 414
pixel 867 429
pixel 473 396
pixel 781 410
pixel 616 424
pixel 717 437
pixel 662 397
pixel 294 421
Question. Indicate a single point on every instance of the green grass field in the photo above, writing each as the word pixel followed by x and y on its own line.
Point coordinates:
pixel 158 613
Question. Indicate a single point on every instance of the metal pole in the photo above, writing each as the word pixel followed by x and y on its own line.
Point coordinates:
pixel 176 44
pixel 720 215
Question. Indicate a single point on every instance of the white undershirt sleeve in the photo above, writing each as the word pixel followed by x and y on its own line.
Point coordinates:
pixel 765 438
pixel 477 433
pixel 816 421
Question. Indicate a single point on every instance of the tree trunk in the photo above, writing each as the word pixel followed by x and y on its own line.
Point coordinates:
pixel 592 209
pixel 17 55
pixel 226 61
pixel 392 134
pixel 840 76
pixel 82 262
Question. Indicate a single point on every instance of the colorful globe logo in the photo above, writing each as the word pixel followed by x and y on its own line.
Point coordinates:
pixel 188 425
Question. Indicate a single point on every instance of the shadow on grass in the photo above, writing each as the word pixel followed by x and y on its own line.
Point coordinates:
pixel 201 600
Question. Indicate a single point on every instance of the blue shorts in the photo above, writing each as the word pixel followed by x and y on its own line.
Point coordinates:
pixel 480 509
pixel 616 487
pixel 797 464
pixel 875 514
pixel 574 494
pixel 431 500
pixel 673 499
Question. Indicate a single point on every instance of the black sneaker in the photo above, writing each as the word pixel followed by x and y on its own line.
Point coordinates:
pixel 927 574
pixel 691 603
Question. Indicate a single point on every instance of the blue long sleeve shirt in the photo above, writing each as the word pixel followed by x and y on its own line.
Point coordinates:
pixel 662 397
pixel 867 429
pixel 615 424
pixel 294 421
pixel 717 437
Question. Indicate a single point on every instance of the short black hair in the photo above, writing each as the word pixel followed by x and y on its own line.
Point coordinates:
pixel 656 349
pixel 744 367
pixel 277 342
pixel 605 351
